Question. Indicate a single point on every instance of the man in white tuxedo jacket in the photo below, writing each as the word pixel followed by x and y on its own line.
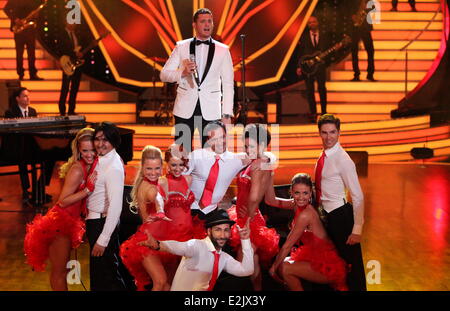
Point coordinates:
pixel 203 69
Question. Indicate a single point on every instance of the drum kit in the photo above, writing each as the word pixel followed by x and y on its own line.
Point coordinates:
pixel 162 102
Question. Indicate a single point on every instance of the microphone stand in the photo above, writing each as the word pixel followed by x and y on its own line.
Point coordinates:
pixel 242 119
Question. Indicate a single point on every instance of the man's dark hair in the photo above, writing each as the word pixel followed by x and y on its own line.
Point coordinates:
pixel 201 11
pixel 258 132
pixel 110 131
pixel 17 93
pixel 329 118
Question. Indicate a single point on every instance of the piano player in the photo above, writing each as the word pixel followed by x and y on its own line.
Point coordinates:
pixel 20 108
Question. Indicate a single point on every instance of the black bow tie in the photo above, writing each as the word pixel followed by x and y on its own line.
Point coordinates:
pixel 198 42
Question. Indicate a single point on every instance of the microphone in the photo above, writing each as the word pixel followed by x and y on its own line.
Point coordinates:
pixel 192 59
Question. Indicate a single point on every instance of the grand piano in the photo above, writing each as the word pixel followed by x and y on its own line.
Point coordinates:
pixel 33 140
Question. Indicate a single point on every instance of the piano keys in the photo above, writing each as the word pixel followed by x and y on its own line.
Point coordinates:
pixel 33 140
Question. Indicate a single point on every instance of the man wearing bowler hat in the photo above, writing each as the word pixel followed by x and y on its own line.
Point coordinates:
pixel 203 260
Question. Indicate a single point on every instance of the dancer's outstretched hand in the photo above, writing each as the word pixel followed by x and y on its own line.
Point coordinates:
pixel 244 232
pixel 273 273
pixel 150 242
pixel 157 217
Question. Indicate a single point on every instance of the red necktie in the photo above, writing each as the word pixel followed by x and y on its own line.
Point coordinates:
pixel 319 168
pixel 215 272
pixel 210 184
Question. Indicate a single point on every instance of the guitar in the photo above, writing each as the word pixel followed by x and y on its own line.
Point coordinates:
pixel 310 63
pixel 28 21
pixel 361 15
pixel 70 64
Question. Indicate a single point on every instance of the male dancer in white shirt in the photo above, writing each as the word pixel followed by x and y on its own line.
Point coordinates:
pixel 204 260
pixel 203 69
pixel 344 220
pixel 230 163
pixel 104 208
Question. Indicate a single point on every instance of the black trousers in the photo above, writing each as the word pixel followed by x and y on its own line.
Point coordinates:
pixel 184 129
pixel 412 3
pixel 24 178
pixel 26 38
pixel 339 227
pixel 320 76
pixel 72 82
pixel 104 270
pixel 366 36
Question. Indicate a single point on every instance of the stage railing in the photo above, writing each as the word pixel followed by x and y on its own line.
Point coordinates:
pixel 406 46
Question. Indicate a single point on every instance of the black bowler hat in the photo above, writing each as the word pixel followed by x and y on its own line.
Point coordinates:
pixel 218 217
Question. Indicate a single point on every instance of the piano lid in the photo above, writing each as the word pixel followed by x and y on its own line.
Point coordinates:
pixel 37 122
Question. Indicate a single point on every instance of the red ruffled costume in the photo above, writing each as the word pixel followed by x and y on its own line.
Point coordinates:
pixel 322 256
pixel 177 208
pixel 265 239
pixel 41 232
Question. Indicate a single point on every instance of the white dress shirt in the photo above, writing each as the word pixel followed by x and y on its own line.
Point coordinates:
pixel 311 34
pixel 338 175
pixel 201 57
pixel 200 163
pixel 196 266
pixel 23 110
pixel 107 195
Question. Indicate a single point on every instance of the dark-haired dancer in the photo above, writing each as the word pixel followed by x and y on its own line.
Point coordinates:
pixel 252 183
pixel 204 260
pixel 105 207
pixel 213 168
pixel 335 175
pixel 316 260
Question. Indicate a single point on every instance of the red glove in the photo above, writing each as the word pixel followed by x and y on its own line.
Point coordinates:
pixel 90 183
pixel 92 177
pixel 160 215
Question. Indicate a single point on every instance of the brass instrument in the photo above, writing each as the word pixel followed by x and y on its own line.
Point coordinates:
pixel 28 21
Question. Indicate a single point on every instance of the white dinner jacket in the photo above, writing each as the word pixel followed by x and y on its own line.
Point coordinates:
pixel 217 80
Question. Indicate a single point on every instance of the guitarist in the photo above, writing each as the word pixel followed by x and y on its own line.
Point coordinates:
pixel 362 30
pixel 314 40
pixel 17 10
pixel 69 41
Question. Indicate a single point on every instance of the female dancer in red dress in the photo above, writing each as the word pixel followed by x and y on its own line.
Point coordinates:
pixel 54 235
pixel 147 265
pixel 252 183
pixel 317 259
pixel 178 208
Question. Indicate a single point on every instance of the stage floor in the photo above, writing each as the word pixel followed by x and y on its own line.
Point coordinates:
pixel 406 239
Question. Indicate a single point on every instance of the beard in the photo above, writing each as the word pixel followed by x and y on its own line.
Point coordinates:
pixel 217 241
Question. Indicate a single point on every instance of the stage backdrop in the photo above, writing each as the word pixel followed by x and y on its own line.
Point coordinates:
pixel 144 32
